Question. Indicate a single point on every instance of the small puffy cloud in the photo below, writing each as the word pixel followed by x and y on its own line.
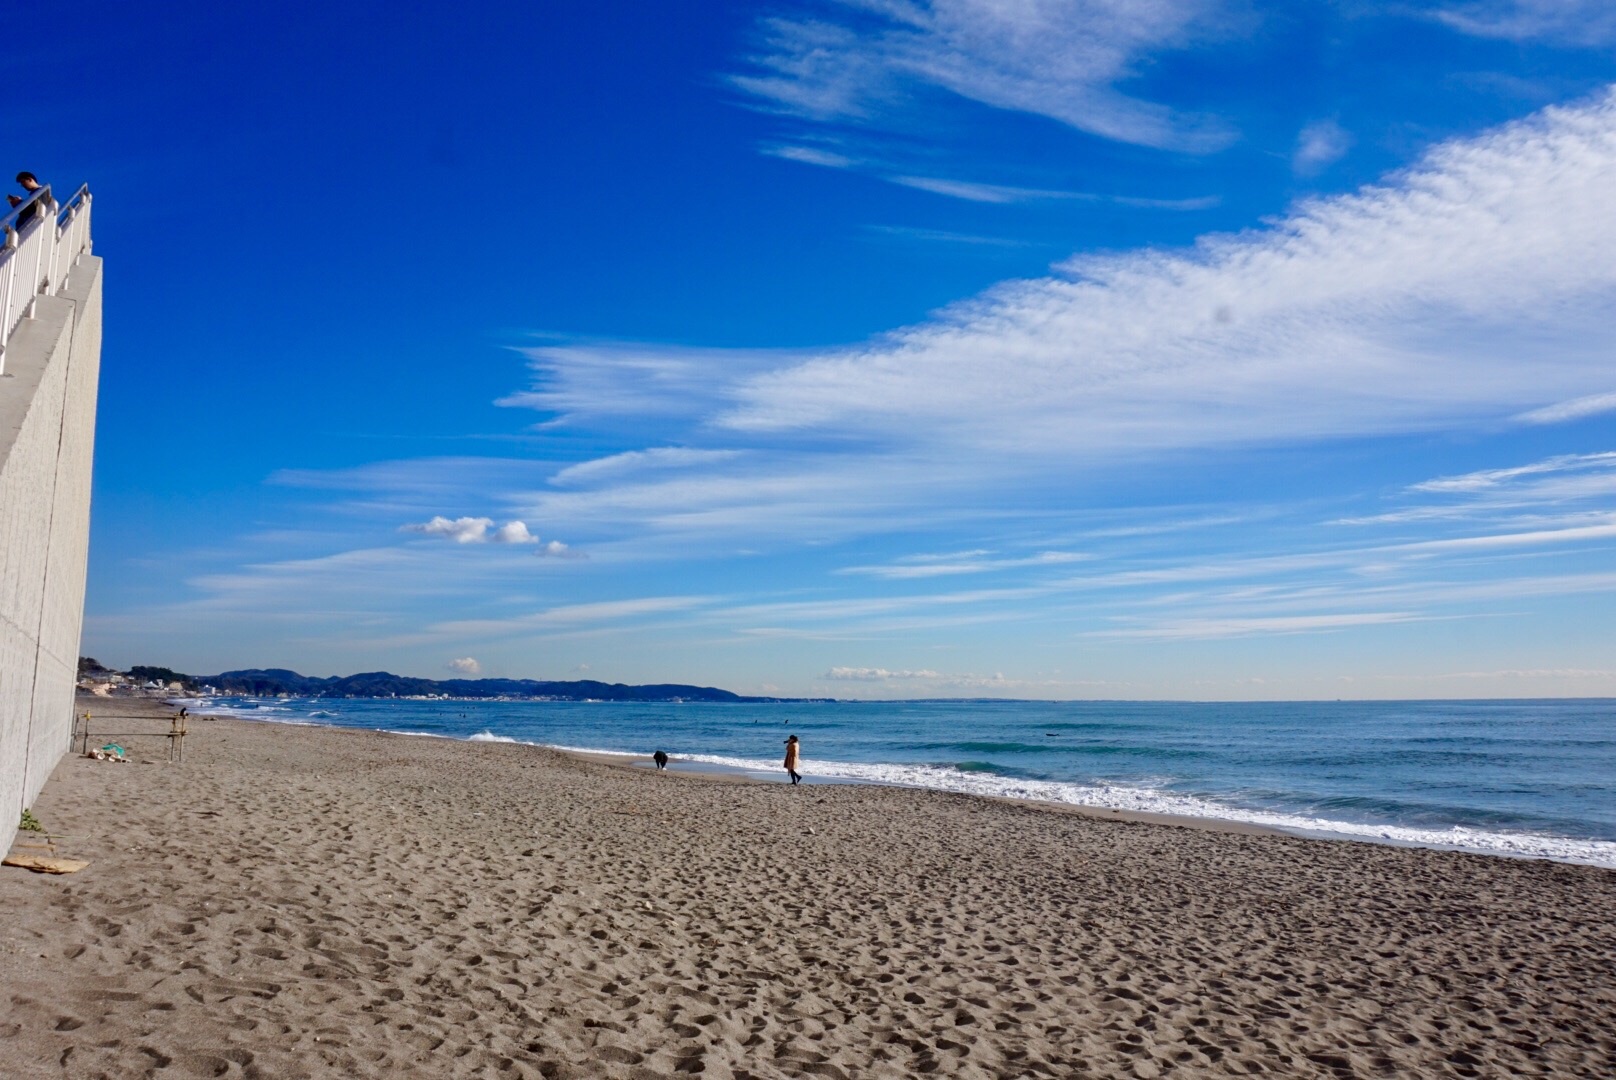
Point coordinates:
pixel 1318 146
pixel 555 549
pixel 466 530
pixel 513 532
pixel 475 530
pixel 465 665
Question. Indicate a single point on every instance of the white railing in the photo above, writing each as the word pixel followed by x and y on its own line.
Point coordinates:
pixel 38 255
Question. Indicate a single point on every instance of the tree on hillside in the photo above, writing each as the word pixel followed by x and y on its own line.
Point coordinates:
pixel 161 674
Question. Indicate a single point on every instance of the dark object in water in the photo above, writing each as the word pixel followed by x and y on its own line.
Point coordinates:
pixel 661 759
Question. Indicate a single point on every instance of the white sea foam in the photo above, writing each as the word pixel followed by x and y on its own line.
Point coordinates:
pixel 605 753
pixel 1154 801
pixel 489 736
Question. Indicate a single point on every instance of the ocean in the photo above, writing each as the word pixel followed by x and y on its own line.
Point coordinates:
pixel 1521 778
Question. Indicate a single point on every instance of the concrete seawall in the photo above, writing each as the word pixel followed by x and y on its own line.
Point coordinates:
pixel 47 442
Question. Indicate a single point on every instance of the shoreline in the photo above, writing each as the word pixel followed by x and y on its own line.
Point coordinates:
pixel 1235 819
pixel 734 775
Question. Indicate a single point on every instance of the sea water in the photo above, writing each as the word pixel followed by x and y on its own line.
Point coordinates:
pixel 1528 778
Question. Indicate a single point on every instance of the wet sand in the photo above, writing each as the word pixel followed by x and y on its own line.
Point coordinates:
pixel 313 902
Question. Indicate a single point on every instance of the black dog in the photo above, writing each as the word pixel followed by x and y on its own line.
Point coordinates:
pixel 661 759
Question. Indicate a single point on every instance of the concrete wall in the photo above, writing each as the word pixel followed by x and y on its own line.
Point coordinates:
pixel 47 442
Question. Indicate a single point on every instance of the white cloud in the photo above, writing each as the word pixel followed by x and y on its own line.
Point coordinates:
pixel 555 549
pixel 1492 478
pixel 945 236
pixel 1197 202
pixel 987 193
pixel 800 495
pixel 1533 538
pixel 867 674
pixel 637 462
pixel 1060 59
pixel 1001 193
pixel 513 532
pixel 908 683
pixel 1470 287
pixel 1204 629
pixel 1319 145
pixel 1573 22
pixel 466 530
pixel 570 616
pixel 465 665
pixel 1564 411
pixel 474 530
pixel 604 381
pixel 969 562
pixel 809 155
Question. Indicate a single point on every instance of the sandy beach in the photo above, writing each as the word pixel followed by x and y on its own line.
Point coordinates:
pixel 311 902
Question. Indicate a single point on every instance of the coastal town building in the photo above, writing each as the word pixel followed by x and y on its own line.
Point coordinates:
pixel 50 356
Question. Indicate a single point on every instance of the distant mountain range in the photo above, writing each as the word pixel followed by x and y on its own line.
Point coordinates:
pixel 272 681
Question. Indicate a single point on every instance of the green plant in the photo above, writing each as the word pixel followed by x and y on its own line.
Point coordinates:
pixel 30 823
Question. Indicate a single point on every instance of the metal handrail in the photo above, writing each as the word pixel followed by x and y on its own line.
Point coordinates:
pixel 35 261
pixel 70 206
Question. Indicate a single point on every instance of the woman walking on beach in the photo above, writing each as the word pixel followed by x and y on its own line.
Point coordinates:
pixel 791 759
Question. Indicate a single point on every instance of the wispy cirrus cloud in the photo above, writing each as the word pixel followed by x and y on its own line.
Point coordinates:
pixel 945 236
pixel 1470 286
pixel 1205 629
pixel 1575 534
pixel 810 155
pixel 972 191
pixel 866 61
pixel 986 193
pixel 600 382
pixel 924 680
pixel 640 462
pixel 1576 409
pixel 1573 22
pixel 1484 480
pixel 969 562
pixel 573 617
pixel 1463 291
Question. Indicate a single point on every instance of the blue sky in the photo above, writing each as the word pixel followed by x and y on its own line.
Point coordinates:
pixel 872 348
